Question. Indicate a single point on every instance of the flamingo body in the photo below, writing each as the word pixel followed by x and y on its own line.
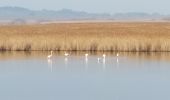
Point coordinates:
pixel 117 55
pixel 86 55
pixel 104 55
pixel 66 54
pixel 49 56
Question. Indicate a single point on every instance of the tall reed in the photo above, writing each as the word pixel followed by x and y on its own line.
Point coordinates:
pixel 113 36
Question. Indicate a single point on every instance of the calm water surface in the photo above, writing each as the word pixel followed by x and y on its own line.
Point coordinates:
pixel 131 76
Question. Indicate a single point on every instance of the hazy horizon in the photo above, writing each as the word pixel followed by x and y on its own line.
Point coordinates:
pixel 95 6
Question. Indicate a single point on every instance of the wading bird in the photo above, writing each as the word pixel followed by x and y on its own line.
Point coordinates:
pixel 86 55
pixel 86 58
pixel 104 56
pixel 99 59
pixel 66 54
pixel 117 54
pixel 49 56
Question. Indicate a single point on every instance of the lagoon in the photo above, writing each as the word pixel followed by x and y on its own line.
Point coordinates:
pixel 131 76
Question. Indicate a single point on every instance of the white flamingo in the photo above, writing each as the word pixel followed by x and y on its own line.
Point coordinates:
pixel 49 56
pixel 104 56
pixel 117 54
pixel 117 59
pixel 66 54
pixel 99 59
pixel 86 55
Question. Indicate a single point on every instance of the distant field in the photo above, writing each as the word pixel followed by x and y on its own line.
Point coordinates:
pixel 109 36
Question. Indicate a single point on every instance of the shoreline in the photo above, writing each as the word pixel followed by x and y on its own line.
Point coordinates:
pixel 7 23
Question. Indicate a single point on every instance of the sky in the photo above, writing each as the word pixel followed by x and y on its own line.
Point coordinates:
pixel 94 6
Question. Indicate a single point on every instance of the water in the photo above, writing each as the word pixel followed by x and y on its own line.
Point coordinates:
pixel 131 76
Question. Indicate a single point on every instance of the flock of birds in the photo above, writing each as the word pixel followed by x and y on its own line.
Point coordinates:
pixel 86 56
pixel 65 54
pixel 100 59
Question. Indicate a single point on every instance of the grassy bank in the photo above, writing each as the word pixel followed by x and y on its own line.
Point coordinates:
pixel 124 36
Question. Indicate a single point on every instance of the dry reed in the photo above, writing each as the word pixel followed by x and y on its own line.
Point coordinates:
pixel 113 36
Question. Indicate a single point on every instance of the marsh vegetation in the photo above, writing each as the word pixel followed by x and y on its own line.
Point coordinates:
pixel 109 36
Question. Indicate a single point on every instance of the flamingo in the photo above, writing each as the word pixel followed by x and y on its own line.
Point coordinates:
pixel 86 55
pixel 104 56
pixel 49 56
pixel 66 54
pixel 117 59
pixel 99 59
pixel 86 58
pixel 117 54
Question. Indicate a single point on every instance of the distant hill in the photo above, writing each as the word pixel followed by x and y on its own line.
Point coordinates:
pixel 18 15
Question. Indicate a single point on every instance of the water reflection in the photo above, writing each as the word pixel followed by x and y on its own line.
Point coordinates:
pixel 165 56
pixel 66 62
pixel 103 66
pixel 50 64
pixel 98 60
pixel 104 63
pixel 131 76
pixel 117 62
pixel 86 62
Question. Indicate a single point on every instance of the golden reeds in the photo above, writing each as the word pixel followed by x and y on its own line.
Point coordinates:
pixel 113 36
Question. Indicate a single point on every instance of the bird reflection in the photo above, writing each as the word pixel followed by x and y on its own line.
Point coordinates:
pixel 50 64
pixel 104 64
pixel 117 62
pixel 98 60
pixel 117 59
pixel 86 61
pixel 104 61
pixel 66 62
pixel 86 58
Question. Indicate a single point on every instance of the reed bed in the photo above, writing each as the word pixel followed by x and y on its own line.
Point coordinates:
pixel 109 36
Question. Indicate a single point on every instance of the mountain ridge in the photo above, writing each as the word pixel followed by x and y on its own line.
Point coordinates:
pixel 24 15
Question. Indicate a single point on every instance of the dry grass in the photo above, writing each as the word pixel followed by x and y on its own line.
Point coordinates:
pixel 114 36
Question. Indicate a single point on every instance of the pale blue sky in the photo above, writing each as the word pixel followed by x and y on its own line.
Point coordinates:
pixel 108 6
